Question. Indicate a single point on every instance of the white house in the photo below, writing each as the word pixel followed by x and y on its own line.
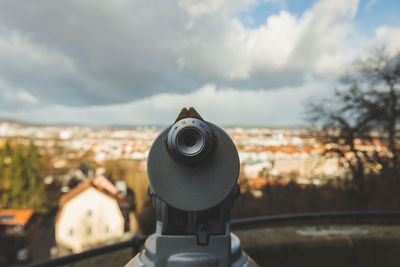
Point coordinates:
pixel 91 214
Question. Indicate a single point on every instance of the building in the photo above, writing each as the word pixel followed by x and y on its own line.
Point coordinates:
pixel 14 221
pixel 16 227
pixel 93 213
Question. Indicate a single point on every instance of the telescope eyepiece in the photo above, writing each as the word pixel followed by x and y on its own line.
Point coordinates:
pixel 193 165
pixel 190 140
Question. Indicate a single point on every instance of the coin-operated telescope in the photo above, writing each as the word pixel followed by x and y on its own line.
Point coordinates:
pixel 193 167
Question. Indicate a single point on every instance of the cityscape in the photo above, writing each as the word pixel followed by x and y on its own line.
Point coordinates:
pixel 264 152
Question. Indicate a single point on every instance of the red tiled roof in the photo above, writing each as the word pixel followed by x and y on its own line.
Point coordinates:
pixel 282 149
pixel 260 182
pixel 102 182
pixel 15 217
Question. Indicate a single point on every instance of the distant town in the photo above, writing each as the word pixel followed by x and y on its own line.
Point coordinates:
pixel 264 152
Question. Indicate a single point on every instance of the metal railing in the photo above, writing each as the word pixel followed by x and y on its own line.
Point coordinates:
pixel 136 242
pixel 296 218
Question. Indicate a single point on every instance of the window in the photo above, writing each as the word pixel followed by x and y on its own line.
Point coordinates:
pixel 106 229
pixel 7 217
pixel 89 230
pixel 89 213
pixel 71 232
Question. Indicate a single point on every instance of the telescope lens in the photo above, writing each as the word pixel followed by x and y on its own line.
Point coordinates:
pixel 190 141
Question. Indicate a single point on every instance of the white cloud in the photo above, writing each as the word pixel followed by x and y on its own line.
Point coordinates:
pixel 370 4
pixel 390 38
pixel 225 106
pixel 100 52
pixel 319 42
pixel 37 73
pixel 89 57
pixel 27 97
pixel 198 8
pixel 13 98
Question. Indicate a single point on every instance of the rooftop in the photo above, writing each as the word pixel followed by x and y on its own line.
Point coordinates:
pixel 15 217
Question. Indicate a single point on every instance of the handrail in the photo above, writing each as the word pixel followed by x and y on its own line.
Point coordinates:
pixel 136 242
pixel 293 218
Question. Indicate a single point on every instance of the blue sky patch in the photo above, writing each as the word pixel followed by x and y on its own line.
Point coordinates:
pixel 371 14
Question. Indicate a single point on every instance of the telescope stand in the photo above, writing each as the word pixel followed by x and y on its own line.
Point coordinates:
pixel 195 239
pixel 179 251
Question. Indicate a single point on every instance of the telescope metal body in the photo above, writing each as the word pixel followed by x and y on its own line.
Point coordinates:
pixel 193 167
pixel 174 251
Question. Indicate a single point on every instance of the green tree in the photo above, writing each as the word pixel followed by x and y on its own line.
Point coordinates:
pixel 5 160
pixel 21 178
pixel 34 178
pixel 17 183
pixel 4 155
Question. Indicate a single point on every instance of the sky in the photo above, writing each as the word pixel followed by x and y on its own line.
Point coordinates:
pixel 128 62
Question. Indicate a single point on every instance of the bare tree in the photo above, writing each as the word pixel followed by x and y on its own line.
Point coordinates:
pixel 380 75
pixel 343 122
pixel 367 99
